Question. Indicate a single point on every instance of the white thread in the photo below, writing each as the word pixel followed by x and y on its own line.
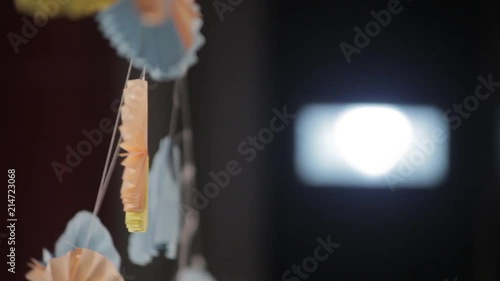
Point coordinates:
pixel 106 174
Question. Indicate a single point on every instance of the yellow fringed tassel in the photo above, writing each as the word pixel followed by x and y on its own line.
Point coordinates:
pixel 138 221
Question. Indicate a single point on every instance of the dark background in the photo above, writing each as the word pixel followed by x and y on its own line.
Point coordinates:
pixel 265 55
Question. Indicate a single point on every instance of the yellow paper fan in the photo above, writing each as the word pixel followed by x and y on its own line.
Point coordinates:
pixel 77 265
pixel 134 130
pixel 73 9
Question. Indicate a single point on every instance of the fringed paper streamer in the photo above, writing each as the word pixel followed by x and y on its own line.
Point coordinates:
pixel 134 131
pixel 164 209
pixel 72 9
pixel 164 40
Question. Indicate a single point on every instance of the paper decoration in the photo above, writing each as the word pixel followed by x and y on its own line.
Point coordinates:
pixel 153 12
pixel 164 209
pixel 85 230
pixel 164 40
pixel 134 130
pixel 77 265
pixel 74 242
pixel 37 271
pixel 72 9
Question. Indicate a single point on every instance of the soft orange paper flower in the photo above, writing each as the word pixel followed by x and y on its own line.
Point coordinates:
pixel 77 265
pixel 134 130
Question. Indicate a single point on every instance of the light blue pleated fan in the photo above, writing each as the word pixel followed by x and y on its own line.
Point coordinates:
pixel 160 49
pixel 164 209
pixel 76 233
pixel 46 256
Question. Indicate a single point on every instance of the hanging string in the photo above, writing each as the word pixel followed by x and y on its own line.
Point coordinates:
pixel 110 171
pixel 110 161
pixel 191 221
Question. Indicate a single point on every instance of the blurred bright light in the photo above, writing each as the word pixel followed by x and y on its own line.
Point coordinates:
pixel 371 139
pixel 367 145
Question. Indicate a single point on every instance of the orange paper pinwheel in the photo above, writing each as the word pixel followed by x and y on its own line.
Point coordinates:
pixel 134 131
pixel 77 265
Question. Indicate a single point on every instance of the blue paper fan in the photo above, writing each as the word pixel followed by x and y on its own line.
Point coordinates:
pixel 161 49
pixel 76 233
pixel 164 209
